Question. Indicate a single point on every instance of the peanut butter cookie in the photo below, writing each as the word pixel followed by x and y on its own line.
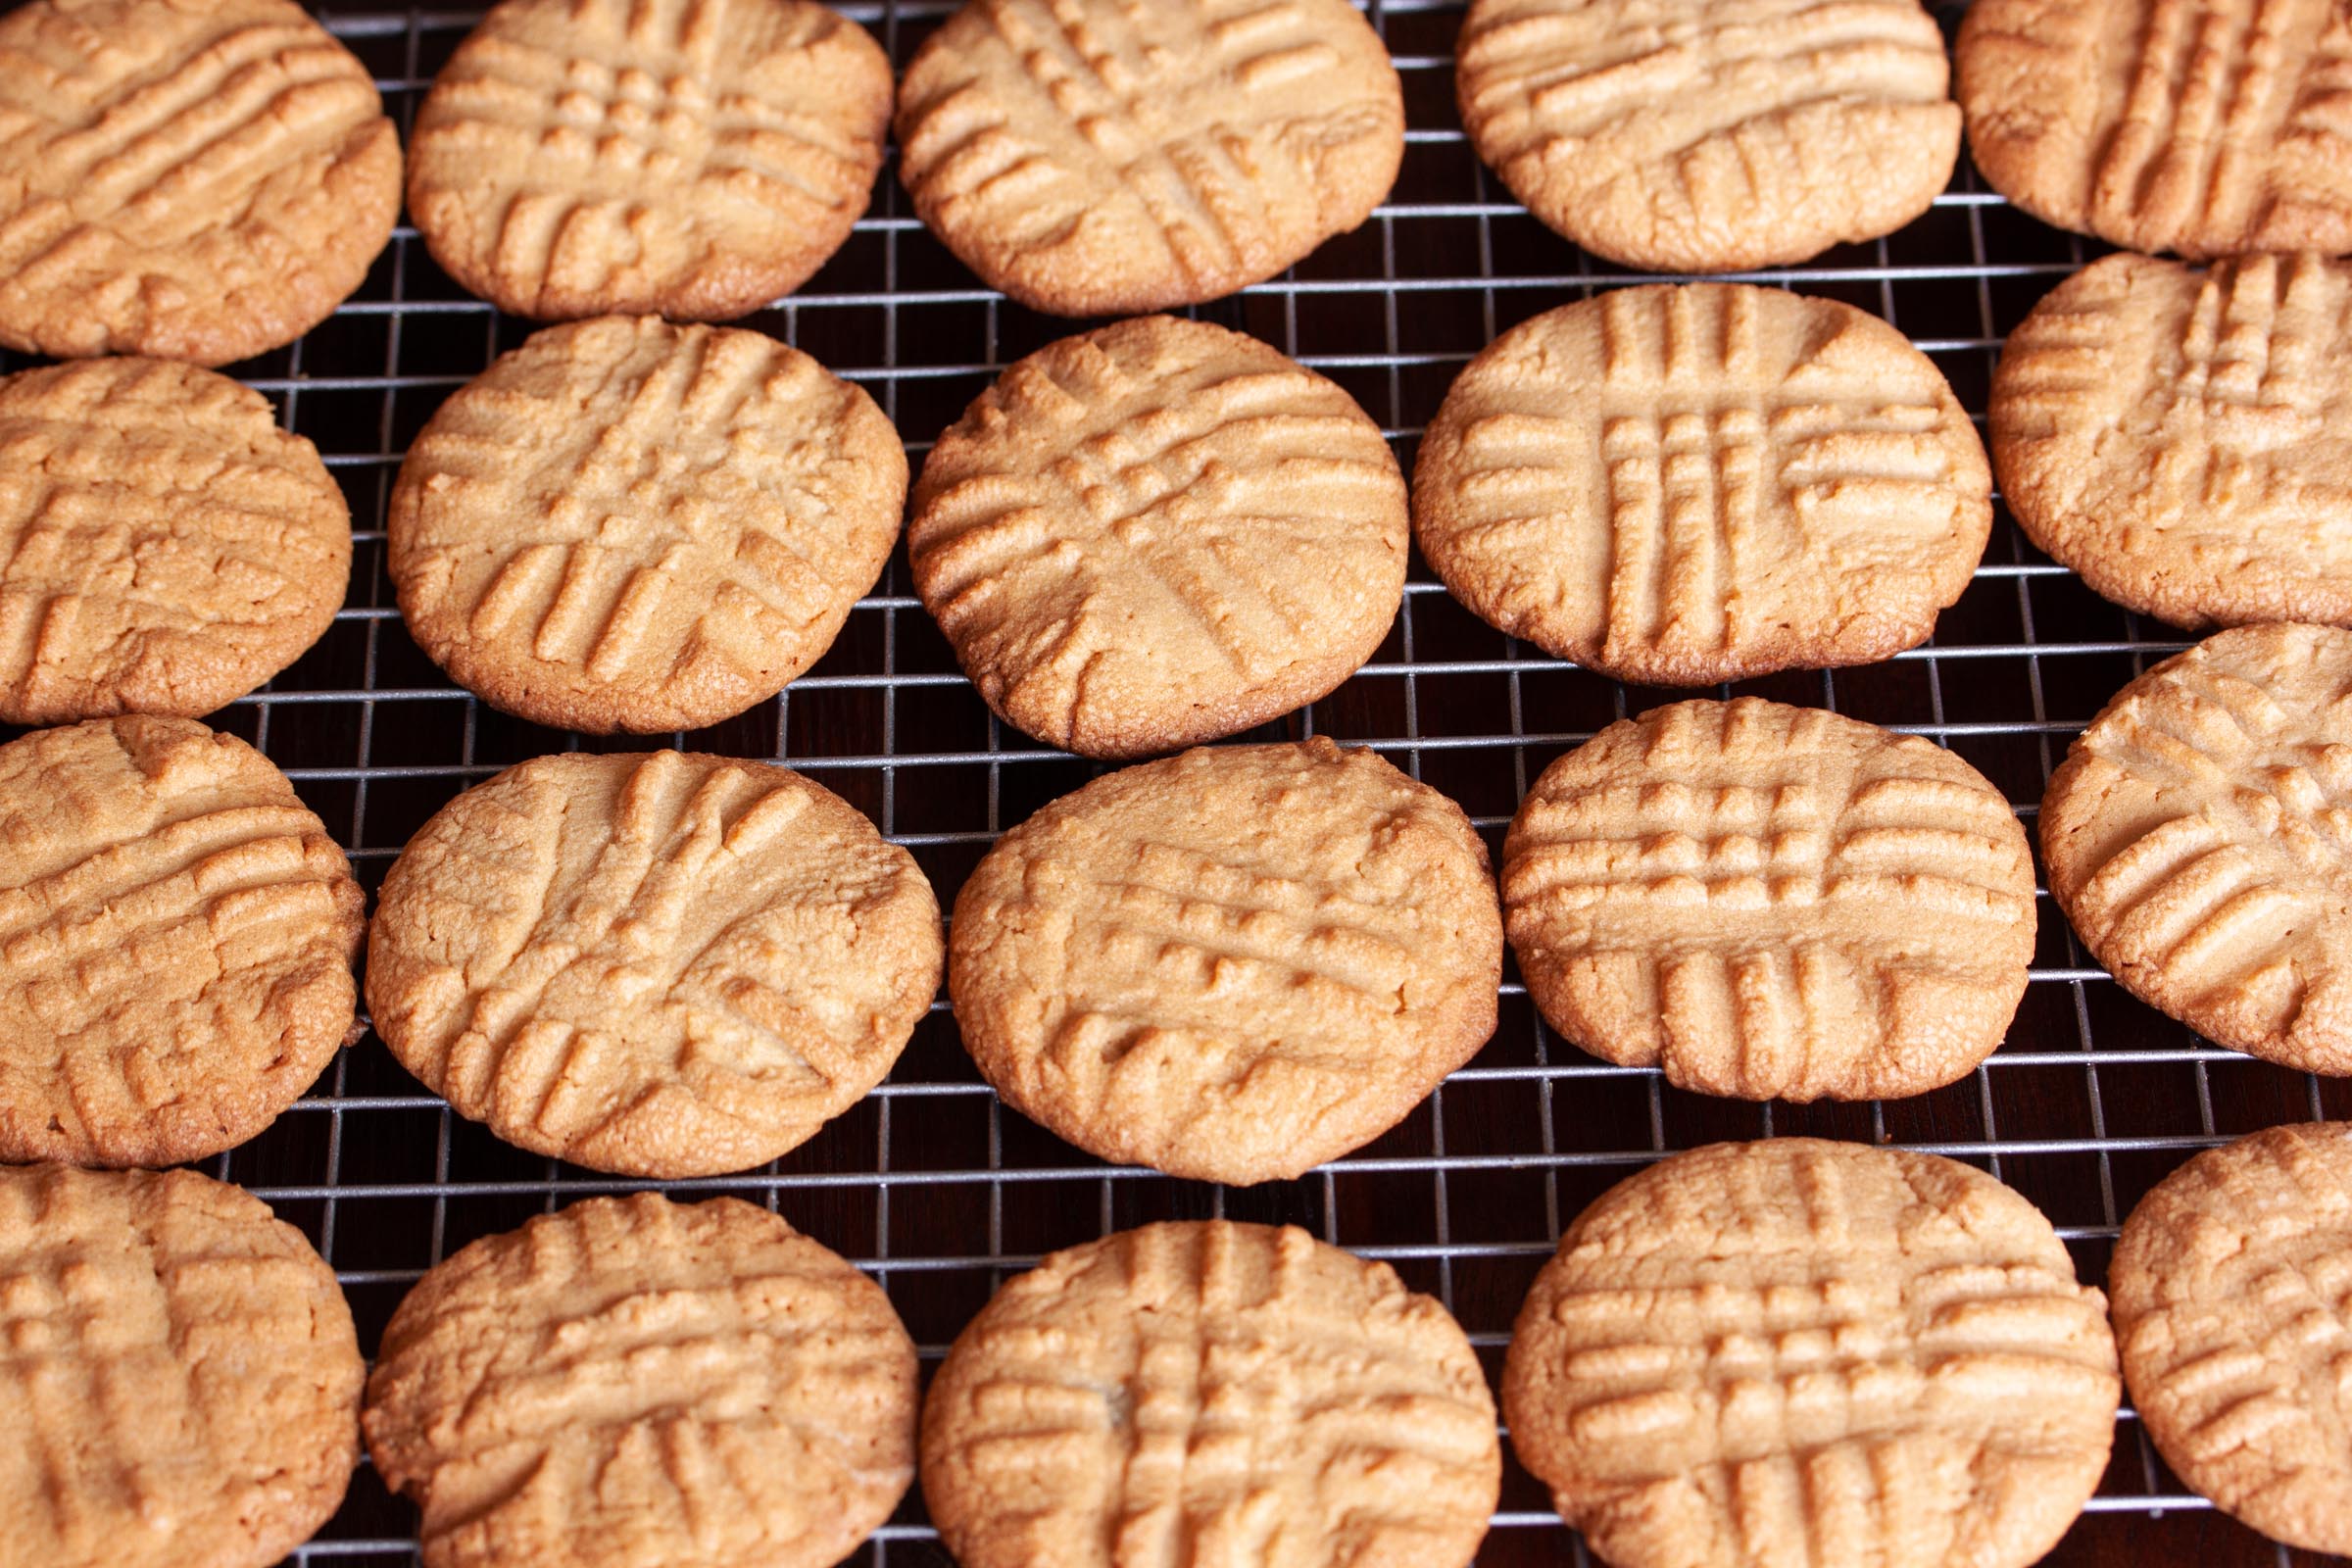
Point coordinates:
pixel 176 932
pixel 633 1381
pixel 653 963
pixel 1881 1354
pixel 1210 1390
pixel 1107 158
pixel 1681 486
pixel 181 1377
pixel 2197 835
pixel 1772 901
pixel 1232 965
pixel 192 179
pixel 1158 533
pixel 693 159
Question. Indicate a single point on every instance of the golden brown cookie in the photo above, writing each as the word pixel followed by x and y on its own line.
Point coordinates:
pixel 1772 902
pixel 2229 1283
pixel 1706 135
pixel 693 159
pixel 1190 1392
pixel 2183 437
pixel 1107 158
pixel 1680 485
pixel 1157 533
pixel 179 1372
pixel 2197 838
pixel 193 180
pixel 1880 1354
pixel 2202 126
pixel 165 548
pixel 632 1382
pixel 176 932
pixel 629 525
pixel 653 963
pixel 1232 965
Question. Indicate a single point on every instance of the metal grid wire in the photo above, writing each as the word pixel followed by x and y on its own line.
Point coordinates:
pixel 929 1184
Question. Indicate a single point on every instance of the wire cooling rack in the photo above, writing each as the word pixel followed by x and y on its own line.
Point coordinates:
pixel 928 1182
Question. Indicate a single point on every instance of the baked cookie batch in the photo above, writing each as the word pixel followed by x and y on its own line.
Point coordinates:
pixel 1232 964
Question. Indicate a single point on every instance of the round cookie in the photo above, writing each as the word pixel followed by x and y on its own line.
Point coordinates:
pixel 633 1381
pixel 1210 1388
pixel 629 525
pixel 1878 1354
pixel 1704 137
pixel 1107 158
pixel 1681 486
pixel 2201 127
pixel 177 933
pixel 1158 533
pixel 693 159
pixel 2194 838
pixel 653 963
pixel 2226 1280
pixel 1772 902
pixel 166 547
pixel 182 1376
pixel 1232 965
pixel 2182 438
pixel 193 180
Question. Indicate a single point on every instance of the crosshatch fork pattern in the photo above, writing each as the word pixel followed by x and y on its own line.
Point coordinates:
pixel 931 1186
